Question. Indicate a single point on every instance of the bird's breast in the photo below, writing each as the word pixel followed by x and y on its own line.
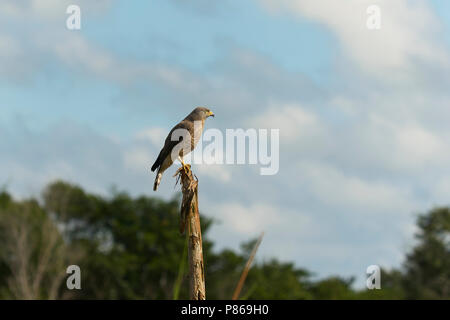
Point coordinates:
pixel 198 129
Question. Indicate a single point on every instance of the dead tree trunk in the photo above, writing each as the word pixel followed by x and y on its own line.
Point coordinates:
pixel 190 217
pixel 238 289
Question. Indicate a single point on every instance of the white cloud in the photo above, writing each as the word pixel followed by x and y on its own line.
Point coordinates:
pixel 403 145
pixel 419 145
pixel 441 190
pixel 8 47
pixel 294 121
pixel 13 60
pixel 333 188
pixel 247 220
pixel 154 135
pixel 215 171
pixel 138 159
pixel 409 32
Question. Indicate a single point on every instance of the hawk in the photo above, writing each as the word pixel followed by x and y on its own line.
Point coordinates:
pixel 181 140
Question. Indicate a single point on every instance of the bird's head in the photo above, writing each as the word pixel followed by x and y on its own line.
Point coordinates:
pixel 201 113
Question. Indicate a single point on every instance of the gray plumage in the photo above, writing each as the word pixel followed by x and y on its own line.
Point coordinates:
pixel 192 125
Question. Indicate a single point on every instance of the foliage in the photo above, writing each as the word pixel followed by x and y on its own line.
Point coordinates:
pixel 428 265
pixel 130 248
pixel 32 251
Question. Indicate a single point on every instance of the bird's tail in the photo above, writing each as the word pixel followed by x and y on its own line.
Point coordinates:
pixel 157 181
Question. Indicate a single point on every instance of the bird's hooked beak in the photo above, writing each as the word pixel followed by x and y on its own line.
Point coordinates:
pixel 210 114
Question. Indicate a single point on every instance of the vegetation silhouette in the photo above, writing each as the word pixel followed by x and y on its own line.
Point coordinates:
pixel 130 248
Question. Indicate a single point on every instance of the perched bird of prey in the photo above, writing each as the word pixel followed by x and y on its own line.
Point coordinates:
pixel 181 140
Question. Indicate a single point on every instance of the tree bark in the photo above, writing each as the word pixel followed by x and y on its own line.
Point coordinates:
pixel 190 217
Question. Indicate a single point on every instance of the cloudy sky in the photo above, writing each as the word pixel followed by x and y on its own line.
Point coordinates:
pixel 363 114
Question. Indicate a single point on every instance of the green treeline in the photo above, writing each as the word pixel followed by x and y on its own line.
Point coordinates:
pixel 130 248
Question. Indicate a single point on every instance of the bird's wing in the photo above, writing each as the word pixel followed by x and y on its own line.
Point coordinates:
pixel 169 144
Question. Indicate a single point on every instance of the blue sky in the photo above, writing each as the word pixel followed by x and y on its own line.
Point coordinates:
pixel 363 147
pixel 167 33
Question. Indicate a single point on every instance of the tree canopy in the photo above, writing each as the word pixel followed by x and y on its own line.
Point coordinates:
pixel 130 248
